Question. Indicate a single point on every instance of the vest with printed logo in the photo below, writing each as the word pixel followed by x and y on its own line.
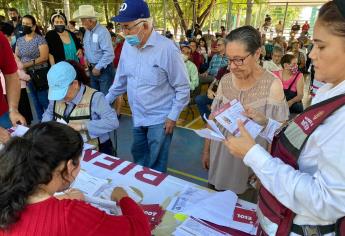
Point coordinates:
pixel 80 113
pixel 287 145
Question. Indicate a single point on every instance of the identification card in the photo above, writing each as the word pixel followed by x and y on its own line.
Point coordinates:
pixel 95 38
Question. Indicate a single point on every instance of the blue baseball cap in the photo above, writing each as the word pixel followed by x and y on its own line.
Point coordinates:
pixel 132 10
pixel 60 76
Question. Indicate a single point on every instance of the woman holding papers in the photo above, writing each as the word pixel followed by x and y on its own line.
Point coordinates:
pixel 303 187
pixel 82 107
pixel 252 86
pixel 44 161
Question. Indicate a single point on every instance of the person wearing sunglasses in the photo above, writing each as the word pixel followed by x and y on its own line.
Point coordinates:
pixel 253 86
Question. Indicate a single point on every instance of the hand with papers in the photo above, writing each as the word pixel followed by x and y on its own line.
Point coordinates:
pixel 227 116
pixel 239 146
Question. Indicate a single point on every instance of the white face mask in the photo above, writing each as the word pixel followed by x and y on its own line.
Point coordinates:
pixel 185 57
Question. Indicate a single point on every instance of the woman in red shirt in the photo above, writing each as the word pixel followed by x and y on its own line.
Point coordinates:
pixel 44 161
pixel 292 81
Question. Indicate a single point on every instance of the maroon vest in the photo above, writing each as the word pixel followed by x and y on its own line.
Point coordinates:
pixel 275 218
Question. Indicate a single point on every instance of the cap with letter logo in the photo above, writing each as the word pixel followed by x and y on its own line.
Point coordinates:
pixel 132 10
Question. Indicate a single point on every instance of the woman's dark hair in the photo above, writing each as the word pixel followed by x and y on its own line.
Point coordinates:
pixel 331 17
pixel 72 22
pixel 58 14
pixel 287 58
pixel 204 40
pixel 248 36
pixel 81 75
pixel 29 161
pixel 34 23
pixel 6 28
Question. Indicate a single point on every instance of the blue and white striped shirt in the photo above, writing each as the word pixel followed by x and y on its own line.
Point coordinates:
pixel 156 81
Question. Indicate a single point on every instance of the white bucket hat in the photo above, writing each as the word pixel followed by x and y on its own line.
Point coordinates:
pixel 86 11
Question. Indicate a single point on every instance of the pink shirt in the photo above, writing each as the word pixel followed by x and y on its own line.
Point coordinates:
pixel 287 83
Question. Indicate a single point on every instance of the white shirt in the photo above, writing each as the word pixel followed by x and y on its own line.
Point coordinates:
pixel 271 66
pixel 315 192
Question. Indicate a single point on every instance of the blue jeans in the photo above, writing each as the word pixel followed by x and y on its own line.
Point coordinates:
pixel 202 101
pixel 5 121
pixel 103 82
pixel 40 100
pixel 151 146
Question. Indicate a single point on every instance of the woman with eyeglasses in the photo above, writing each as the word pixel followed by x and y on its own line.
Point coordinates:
pixel 46 160
pixel 254 87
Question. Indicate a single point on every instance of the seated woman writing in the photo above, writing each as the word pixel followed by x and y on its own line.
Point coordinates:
pixel 44 161
pixel 82 107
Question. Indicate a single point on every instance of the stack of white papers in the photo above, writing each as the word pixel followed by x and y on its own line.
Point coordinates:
pixel 195 227
pixel 215 207
pixel 187 199
pixel 227 116
pixel 91 187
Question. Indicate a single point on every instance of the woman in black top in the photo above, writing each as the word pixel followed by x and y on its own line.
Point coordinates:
pixel 63 44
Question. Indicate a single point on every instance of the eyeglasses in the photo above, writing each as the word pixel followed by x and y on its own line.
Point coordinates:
pixel 123 28
pixel 238 61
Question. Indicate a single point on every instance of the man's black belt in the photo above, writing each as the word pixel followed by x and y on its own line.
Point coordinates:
pixel 322 229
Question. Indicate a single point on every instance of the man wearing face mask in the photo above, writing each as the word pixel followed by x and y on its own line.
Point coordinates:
pixel 192 70
pixel 63 44
pixel 98 48
pixel 153 74
pixel 16 22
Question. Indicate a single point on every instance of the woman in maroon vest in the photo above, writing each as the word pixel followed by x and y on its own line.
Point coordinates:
pixel 303 187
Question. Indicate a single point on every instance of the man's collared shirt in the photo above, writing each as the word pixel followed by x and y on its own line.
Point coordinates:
pixel 155 79
pixel 98 47
pixel 218 61
pixel 103 117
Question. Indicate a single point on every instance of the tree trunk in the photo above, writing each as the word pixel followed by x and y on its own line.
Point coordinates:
pixel 105 3
pixel 202 18
pixel 249 12
pixel 180 14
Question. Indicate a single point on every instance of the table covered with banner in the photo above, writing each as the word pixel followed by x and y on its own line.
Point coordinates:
pixel 155 190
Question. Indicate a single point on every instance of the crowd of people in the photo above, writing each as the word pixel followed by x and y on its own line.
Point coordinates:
pixel 293 170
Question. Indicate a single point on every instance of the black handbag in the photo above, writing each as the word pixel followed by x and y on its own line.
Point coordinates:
pixel 39 78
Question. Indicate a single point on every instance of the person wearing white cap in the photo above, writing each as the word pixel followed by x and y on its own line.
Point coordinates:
pixel 98 48
pixel 82 107
pixel 153 74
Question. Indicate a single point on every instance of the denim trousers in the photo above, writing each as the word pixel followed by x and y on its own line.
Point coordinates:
pixel 103 82
pixel 151 146
pixel 39 99
pixel 202 101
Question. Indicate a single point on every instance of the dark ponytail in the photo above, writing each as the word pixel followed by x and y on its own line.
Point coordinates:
pixel 29 161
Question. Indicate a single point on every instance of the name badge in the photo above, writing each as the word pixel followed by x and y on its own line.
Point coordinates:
pixel 95 38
